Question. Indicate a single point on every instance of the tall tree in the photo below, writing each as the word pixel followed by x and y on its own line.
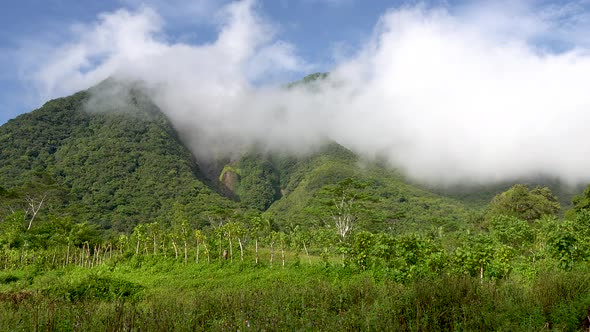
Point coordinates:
pixel 346 203
pixel 521 202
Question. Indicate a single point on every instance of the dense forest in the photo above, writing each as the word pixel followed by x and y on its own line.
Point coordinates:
pixel 109 222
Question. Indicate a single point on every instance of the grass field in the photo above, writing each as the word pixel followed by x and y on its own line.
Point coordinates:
pixel 159 294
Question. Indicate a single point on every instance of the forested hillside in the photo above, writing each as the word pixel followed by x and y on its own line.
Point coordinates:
pixel 116 168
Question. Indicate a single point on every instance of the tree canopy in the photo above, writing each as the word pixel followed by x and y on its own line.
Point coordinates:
pixel 524 203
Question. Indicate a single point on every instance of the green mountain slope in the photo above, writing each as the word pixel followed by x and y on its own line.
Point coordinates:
pixel 387 201
pixel 116 168
pixel 299 191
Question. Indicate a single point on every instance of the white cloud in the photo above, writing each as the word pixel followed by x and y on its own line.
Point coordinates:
pixel 99 51
pixel 473 94
pixel 451 101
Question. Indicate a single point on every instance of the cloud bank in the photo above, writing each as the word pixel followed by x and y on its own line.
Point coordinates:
pixel 476 93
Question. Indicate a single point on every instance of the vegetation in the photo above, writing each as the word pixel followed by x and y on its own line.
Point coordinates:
pixel 109 168
pixel 513 275
pixel 107 222
pixel 525 204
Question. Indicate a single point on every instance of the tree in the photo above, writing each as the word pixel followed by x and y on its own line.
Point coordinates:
pixel 525 204
pixel 34 204
pixel 180 229
pixel 219 231
pixel 326 239
pixel 64 231
pixel 154 231
pixel 482 255
pixel 361 249
pixel 566 245
pixel 283 241
pixel 567 241
pixel 201 239
pixel 475 256
pixel 256 228
pixel 139 233
pixel 272 238
pixel 346 201
pixel 582 202
pixel 299 239
pixel 123 243
pixel 11 230
pixel 511 231
pixel 234 230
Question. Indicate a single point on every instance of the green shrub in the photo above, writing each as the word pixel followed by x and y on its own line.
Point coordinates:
pixel 94 287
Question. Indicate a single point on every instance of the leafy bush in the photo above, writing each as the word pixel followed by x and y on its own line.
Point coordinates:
pixel 94 287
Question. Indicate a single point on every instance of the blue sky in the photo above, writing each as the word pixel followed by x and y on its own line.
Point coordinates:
pixel 318 28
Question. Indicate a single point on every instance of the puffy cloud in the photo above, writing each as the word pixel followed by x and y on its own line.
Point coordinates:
pixel 477 93
pixel 447 100
pixel 99 51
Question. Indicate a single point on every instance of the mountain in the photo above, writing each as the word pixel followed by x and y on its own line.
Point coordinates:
pixel 119 162
pixel 117 167
pixel 389 202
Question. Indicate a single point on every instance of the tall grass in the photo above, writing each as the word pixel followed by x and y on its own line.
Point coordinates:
pixel 169 296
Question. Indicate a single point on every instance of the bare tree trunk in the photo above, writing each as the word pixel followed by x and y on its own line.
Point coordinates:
pixel 34 207
pixel 94 260
pixel 68 255
pixel 272 253
pixel 98 256
pixel 137 247
pixel 185 252
pixel 220 252
pixel 88 255
pixel 256 251
pixel 283 255
pixel 231 251
pixel 105 252
pixel 241 250
pixel 155 246
pixel 175 249
pixel 197 256
pixel 306 252
pixel 481 273
pixel 207 252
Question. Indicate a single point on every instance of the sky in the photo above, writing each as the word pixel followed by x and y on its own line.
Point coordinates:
pixel 446 91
